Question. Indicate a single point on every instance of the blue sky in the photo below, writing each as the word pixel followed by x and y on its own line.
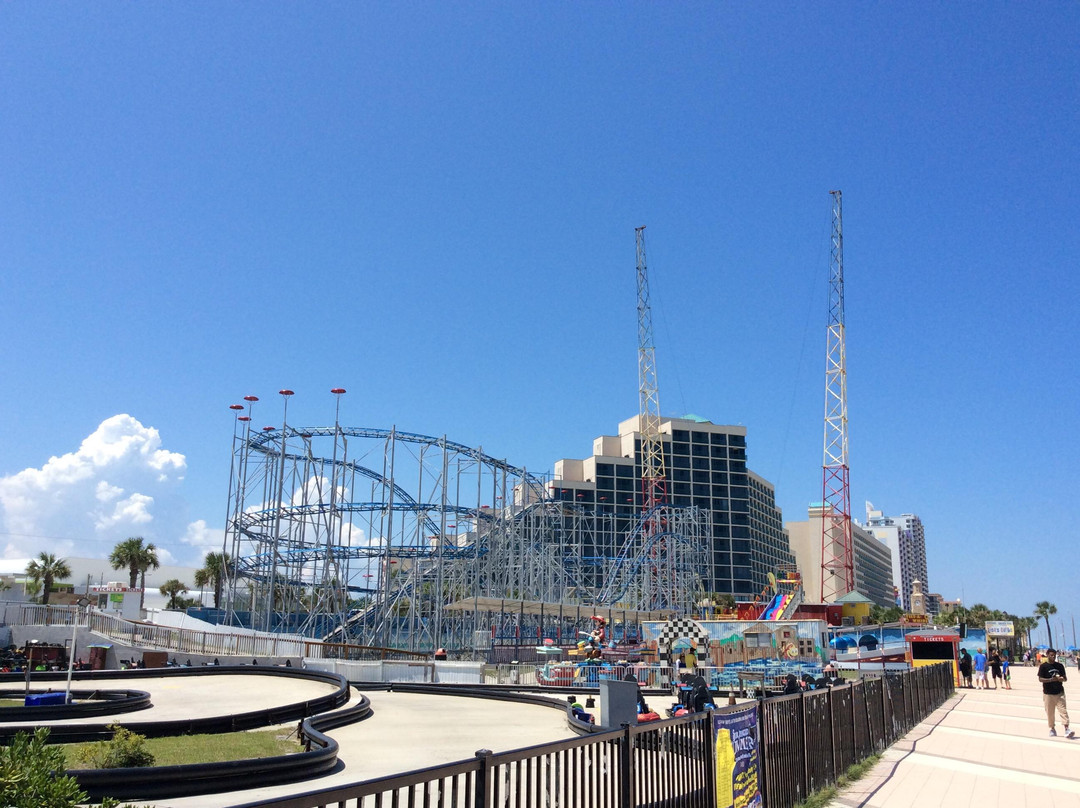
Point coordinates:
pixel 433 206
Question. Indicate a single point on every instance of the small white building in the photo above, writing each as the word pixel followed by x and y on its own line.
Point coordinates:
pixel 117 599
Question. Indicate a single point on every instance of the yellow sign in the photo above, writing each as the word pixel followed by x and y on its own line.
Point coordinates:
pixel 915 620
pixel 725 769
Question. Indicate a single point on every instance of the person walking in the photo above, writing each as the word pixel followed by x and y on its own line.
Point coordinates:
pixel 995 667
pixel 965 667
pixel 1006 676
pixel 1052 675
pixel 980 669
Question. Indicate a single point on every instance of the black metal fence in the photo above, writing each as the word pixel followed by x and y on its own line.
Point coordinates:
pixel 806 741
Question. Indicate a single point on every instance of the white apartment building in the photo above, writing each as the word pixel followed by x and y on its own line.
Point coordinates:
pixel 906 540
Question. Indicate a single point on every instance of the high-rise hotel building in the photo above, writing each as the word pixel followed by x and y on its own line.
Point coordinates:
pixel 871 560
pixel 705 465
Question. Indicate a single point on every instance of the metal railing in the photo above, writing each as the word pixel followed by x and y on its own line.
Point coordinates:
pixel 576 675
pixel 809 739
pixel 193 641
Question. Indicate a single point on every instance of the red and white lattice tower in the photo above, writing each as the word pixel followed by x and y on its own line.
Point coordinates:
pixel 837 554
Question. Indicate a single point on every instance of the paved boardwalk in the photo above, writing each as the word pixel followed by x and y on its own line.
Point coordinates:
pixel 982 748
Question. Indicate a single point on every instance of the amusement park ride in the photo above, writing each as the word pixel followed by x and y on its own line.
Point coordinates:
pixel 392 538
pixel 389 538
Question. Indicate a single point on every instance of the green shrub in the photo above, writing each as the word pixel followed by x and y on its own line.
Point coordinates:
pixel 31 774
pixel 125 750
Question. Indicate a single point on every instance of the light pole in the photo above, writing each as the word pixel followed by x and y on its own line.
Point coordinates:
pixel 79 604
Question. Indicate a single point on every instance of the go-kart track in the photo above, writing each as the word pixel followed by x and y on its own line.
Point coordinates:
pixel 403 731
pixel 411 731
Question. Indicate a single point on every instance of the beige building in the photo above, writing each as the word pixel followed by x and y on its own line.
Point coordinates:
pixel 873 559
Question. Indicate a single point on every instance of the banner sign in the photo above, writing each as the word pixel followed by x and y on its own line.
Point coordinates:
pixel 737 759
pixel 914 620
pixel 999 628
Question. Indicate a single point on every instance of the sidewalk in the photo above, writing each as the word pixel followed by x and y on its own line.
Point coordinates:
pixel 982 748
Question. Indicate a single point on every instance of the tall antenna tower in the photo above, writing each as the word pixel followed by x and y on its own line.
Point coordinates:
pixel 653 478
pixel 660 584
pixel 837 556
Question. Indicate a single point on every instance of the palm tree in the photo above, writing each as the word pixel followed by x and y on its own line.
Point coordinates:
pixel 1044 609
pixel 46 568
pixel 137 557
pixel 202 579
pixel 1027 624
pixel 216 568
pixel 172 588
pixel 979 614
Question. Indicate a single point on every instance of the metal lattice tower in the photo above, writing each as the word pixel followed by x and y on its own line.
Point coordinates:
pixel 662 579
pixel 653 478
pixel 837 554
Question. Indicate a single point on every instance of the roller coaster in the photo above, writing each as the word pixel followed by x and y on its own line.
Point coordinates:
pixel 369 536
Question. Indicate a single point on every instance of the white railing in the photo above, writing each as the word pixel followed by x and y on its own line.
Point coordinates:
pixel 568 674
pixel 188 641
pixel 191 641
pixel 30 614
pixel 162 638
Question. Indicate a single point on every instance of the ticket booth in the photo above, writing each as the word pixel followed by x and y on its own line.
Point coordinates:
pixel 931 647
pixel 117 599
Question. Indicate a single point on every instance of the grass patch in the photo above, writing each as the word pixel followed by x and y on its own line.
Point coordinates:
pixel 184 749
pixel 823 796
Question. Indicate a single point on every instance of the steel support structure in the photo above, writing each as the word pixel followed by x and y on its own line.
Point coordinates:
pixel 367 535
pixel 654 529
pixel 837 553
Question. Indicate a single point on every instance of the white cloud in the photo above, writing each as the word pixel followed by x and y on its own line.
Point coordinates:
pixel 120 482
pixel 106 492
pixel 134 510
pixel 205 539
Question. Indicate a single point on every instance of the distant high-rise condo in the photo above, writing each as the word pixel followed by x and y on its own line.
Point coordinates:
pixel 906 540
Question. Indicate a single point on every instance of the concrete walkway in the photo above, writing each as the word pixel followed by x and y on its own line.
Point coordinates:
pixel 982 748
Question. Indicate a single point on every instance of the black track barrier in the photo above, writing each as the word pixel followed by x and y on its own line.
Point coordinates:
pixel 85 703
pixel 160 782
pixel 284 714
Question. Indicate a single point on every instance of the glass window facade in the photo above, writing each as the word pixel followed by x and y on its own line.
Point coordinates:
pixel 706 467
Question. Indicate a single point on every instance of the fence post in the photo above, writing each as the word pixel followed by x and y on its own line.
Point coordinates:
pixel 483 778
pixel 804 744
pixel 626 769
pixel 854 723
pixel 832 733
pixel 884 709
pixel 763 777
pixel 710 758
